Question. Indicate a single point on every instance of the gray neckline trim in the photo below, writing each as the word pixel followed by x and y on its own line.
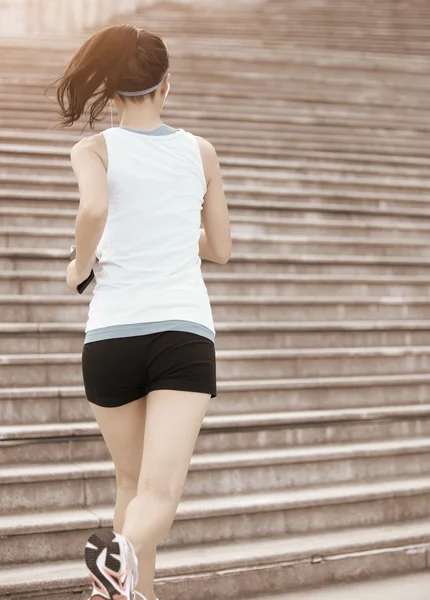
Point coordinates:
pixel 160 130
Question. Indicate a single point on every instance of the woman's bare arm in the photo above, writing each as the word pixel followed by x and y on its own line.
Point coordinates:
pixel 89 165
pixel 215 237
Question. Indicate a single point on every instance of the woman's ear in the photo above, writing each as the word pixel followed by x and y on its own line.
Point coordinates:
pixel 165 89
pixel 166 86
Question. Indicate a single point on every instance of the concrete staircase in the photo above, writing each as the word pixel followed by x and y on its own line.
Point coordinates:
pixel 312 466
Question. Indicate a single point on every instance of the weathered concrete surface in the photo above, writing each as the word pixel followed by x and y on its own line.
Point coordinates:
pixel 410 587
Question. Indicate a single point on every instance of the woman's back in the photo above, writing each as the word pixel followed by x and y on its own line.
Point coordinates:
pixel 149 266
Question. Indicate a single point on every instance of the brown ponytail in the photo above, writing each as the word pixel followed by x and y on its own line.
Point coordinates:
pixel 120 57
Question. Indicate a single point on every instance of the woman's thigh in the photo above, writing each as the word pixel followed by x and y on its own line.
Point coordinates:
pixel 123 429
pixel 173 421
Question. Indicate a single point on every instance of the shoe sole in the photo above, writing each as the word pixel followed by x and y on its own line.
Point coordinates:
pixel 96 545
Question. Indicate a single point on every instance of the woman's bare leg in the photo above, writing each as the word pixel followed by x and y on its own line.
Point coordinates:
pixel 123 429
pixel 173 421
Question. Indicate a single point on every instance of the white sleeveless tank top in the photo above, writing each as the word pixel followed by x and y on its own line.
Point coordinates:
pixel 148 277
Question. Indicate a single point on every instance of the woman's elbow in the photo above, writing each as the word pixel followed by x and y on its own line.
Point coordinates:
pixel 224 257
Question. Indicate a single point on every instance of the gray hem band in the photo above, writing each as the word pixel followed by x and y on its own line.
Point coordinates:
pixel 133 329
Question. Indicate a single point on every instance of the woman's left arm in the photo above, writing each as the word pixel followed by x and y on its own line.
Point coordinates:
pixel 89 160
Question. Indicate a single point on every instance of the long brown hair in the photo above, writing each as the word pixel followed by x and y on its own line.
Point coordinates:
pixel 119 57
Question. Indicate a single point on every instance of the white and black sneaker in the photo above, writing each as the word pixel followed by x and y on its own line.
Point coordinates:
pixel 112 564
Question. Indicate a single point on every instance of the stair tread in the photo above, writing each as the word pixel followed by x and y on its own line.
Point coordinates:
pixel 258 276
pixel 229 421
pixel 248 554
pixel 231 459
pixel 210 507
pixel 272 192
pixel 261 257
pixel 249 354
pixel 414 586
pixel 238 236
pixel 255 384
pixel 233 299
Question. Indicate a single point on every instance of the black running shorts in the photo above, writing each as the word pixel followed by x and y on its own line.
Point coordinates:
pixel 119 370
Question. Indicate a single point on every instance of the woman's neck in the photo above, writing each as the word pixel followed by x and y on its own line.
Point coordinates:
pixel 139 117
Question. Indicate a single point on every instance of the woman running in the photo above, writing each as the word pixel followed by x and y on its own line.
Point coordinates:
pixel 148 359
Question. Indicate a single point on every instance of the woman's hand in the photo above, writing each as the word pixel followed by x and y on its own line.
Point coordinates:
pixel 75 277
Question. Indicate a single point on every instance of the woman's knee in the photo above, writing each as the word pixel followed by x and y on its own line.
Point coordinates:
pixel 165 492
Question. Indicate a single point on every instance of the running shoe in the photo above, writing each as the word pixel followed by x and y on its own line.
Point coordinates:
pixel 112 564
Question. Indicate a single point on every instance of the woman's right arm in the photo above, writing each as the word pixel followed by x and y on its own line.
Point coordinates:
pixel 215 237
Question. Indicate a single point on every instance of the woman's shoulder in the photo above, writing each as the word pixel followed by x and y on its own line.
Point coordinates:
pixel 92 143
pixel 205 146
pixel 208 152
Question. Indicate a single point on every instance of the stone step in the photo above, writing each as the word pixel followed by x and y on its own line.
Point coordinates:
pixel 186 119
pixel 383 288
pixel 378 78
pixel 253 567
pixel 313 143
pixel 243 241
pixel 16 169
pixel 27 487
pixel 354 41
pixel 368 144
pixel 254 164
pixel 49 260
pixel 309 84
pixel 297 17
pixel 59 337
pixel 73 308
pixel 295 76
pixel 290 104
pixel 259 168
pixel 415 585
pixel 65 404
pixel 268 217
pixel 296 244
pixel 243 109
pixel 60 534
pixel 242 95
pixel 241 49
pixel 303 67
pixel 284 183
pixel 323 142
pixel 236 54
pixel 81 440
pixel 66 369
pixel 325 113
pixel 401 193
pixel 260 197
pixel 244 208
pixel 294 263
pixel 365 227
pixel 382 40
